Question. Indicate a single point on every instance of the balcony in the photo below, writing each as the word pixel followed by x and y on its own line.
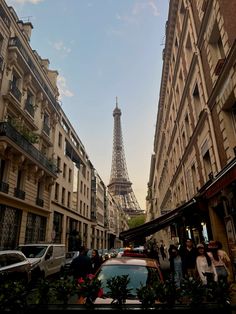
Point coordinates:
pixel 29 108
pixel 7 130
pixel 15 42
pixel 19 193
pixel 46 129
pixel 15 91
pixel 4 187
pixel 39 202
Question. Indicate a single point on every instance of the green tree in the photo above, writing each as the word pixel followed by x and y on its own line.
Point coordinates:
pixel 136 221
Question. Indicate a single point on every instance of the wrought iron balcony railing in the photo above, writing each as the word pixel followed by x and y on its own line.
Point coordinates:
pixel 15 91
pixel 39 202
pixel 29 108
pixel 4 187
pixel 19 193
pixel 46 129
pixel 6 129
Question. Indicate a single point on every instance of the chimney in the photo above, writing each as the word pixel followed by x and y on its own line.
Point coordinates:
pixel 27 29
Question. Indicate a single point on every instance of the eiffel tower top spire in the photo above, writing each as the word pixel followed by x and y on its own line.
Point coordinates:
pixel 120 185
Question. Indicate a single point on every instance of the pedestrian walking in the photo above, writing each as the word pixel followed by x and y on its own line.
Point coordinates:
pixel 217 260
pixel 205 267
pixel 81 266
pixel 163 250
pixel 176 266
pixel 188 253
pixel 96 261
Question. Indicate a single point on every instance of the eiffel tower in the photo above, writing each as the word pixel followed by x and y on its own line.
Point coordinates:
pixel 120 185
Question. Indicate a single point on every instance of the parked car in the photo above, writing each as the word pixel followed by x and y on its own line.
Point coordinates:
pixel 46 259
pixel 69 257
pixel 140 271
pixel 14 265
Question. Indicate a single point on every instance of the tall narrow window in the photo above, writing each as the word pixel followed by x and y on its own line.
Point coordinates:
pixel 207 165
pixel 15 86
pixel 63 196
pixel 216 49
pixel 196 102
pixel 4 186
pixel 29 104
pixel 46 124
pixel 57 192
pixel 40 189
pixel 19 185
pixel 59 139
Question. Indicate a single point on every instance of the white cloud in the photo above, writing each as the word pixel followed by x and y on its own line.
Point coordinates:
pixel 143 5
pixel 150 6
pixel 59 46
pixel 26 1
pixel 62 86
pixel 153 6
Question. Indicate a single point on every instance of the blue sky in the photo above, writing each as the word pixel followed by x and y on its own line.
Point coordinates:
pixel 103 49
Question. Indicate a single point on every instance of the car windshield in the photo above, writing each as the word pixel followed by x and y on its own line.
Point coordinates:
pixel 139 275
pixel 33 251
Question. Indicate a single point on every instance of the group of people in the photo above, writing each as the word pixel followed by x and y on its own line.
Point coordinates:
pixel 83 265
pixel 208 262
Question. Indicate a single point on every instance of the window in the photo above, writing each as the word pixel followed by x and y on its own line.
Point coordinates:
pixel 63 196
pixel 216 49
pixel 15 86
pixel 196 101
pixel 2 169
pixel 207 165
pixel 29 106
pixel 56 191
pixel 68 199
pixel 58 163
pixel 57 223
pixel 40 190
pixel 59 139
pixel 194 178
pixel 35 228
pixel 69 176
pixel 64 170
pixel 1 43
pixel 46 123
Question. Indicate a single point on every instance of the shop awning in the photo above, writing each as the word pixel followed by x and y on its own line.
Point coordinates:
pixel 156 224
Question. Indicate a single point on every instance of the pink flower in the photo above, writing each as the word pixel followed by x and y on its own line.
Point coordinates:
pixel 90 276
pixel 80 280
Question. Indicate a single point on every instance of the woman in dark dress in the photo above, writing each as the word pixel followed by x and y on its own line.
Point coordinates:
pixel 96 261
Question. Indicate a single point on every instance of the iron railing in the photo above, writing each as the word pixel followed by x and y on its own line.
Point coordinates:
pixel 19 193
pixel 6 129
pixel 4 187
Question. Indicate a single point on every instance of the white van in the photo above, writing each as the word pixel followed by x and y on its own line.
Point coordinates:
pixel 46 259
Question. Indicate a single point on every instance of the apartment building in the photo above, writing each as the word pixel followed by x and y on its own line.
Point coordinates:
pixel 28 114
pixel 49 189
pixel 195 137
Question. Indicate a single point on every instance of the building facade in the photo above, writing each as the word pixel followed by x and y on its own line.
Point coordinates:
pixel 48 190
pixel 195 139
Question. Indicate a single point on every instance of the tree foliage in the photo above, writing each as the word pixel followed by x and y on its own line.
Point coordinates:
pixel 136 221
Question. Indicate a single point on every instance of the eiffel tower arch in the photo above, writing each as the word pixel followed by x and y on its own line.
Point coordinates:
pixel 120 186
